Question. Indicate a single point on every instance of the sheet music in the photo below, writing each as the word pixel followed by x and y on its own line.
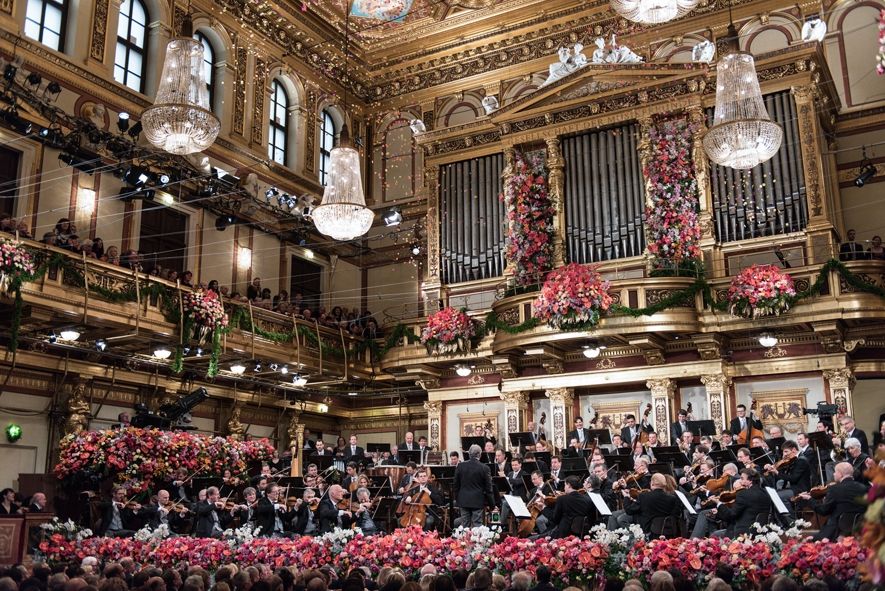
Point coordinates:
pixel 599 502
pixel 775 498
pixel 517 506
pixel 685 502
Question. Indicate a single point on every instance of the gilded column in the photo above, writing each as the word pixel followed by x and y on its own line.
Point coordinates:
pixel 432 283
pixel 663 394
pixel 841 382
pixel 506 176
pixel 717 386
pixel 556 186
pixel 515 405
pixel 560 403
pixel 434 423
pixel 296 443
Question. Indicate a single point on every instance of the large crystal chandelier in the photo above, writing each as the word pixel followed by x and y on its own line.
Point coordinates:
pixel 343 214
pixel 180 121
pixel 742 134
pixel 652 12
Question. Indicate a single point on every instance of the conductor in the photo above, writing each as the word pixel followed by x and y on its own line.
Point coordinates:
pixel 473 488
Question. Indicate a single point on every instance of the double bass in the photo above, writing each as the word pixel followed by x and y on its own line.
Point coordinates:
pixel 747 435
pixel 642 434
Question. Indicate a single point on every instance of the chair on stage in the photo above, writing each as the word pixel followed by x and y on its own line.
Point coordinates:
pixel 581 526
pixel 849 523
pixel 668 526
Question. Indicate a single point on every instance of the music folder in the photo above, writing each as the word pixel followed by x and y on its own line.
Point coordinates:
pixel 517 506
pixel 776 500
pixel 685 502
pixel 521 439
pixel 820 439
pixel 599 503
pixel 600 436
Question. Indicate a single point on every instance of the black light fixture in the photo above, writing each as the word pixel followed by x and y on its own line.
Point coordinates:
pixel 416 249
pixel 393 217
pixel 123 121
pixel 257 368
pixel 9 72
pixel 101 345
pixel 867 170
pixel 270 193
pixel 82 160
pixel 52 137
pixel 34 79
pixel 135 130
pixel 137 176
pixel 11 117
pixel 52 337
pixel 163 178
pixel 223 221
pixel 53 89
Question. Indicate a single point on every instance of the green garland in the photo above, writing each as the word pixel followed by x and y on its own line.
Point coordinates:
pixel 677 298
pixel 493 323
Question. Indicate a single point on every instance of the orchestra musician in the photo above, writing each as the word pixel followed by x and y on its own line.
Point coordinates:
pixel 517 487
pixel 166 513
pixel 454 458
pixel 849 430
pixel 750 501
pixel 180 488
pixel 581 434
pixel 745 460
pixel 679 426
pixel 422 447
pixel 574 450
pixel 211 519
pixel 738 424
pixel 422 489
pixel 409 443
pixel 726 439
pixel 540 490
pixel 701 527
pixel 860 461
pixel 393 460
pixel 354 452
pixel 330 516
pixel 405 482
pixel 651 504
pixel 630 431
pixel 599 482
pixel 792 478
pixel 321 449
pixel 812 456
pixel 245 512
pixel 569 507
pixel 270 514
pixel 349 480
pixel 555 469
pixel 303 514
pixel 640 479
pixel 117 516
pixel 844 496
pixel 686 443
pixel 363 514
pixel 501 463
pixel 617 443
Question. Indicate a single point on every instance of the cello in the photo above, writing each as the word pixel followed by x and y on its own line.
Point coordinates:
pixel 414 512
pixel 747 435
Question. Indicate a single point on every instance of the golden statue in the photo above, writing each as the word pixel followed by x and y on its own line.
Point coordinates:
pixel 235 429
pixel 78 409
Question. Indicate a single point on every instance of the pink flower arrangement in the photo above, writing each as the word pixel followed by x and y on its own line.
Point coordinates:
pixel 697 558
pixel 206 311
pixel 873 533
pixel 409 548
pixel 140 458
pixel 573 560
pixel 16 264
pixel 880 58
pixel 572 297
pixel 805 560
pixel 760 290
pixel 448 331
pixel 671 211
pixel 530 216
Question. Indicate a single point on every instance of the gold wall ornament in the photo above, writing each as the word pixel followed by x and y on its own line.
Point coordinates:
pixel 556 188
pixel 717 387
pixel 606 363
pixel 79 411
pixel 476 379
pixel 841 382
pixel 560 404
pixel 809 132
pixel 782 407
pixel 775 352
pixel 468 423
pixel 663 393
pixel 611 414
pixel 434 410
pixel 99 30
pixel 239 114
pixel 515 405
pixel 259 89
pixel 235 429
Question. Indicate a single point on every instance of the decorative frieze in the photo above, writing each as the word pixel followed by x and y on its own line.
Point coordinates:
pixel 560 402
pixel 663 394
pixel 434 423
pixel 258 92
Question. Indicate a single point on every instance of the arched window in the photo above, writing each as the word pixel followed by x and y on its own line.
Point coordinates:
pixel 327 142
pixel 129 62
pixel 279 124
pixel 45 22
pixel 208 66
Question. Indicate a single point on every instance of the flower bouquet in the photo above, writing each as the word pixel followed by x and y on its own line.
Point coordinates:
pixel 803 560
pixel 205 310
pixel 572 298
pixel 760 290
pixel 572 560
pixel 617 544
pixel 448 331
pixel 873 533
pixel 409 548
pixel 16 263
pixel 530 215
pixel 67 529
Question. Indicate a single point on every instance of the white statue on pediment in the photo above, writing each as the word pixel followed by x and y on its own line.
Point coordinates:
pixel 703 52
pixel 814 30
pixel 621 54
pixel 570 60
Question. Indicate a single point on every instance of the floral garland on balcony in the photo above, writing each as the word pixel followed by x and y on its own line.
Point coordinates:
pixel 671 206
pixel 530 214
pixel 205 311
pixel 572 298
pixel 880 58
pixel 760 290
pixel 16 263
pixel 449 331
pixel 140 459
pixel 873 532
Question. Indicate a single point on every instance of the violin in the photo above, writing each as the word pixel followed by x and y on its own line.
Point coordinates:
pixel 816 492
pixel 642 434
pixel 715 485
pixel 784 463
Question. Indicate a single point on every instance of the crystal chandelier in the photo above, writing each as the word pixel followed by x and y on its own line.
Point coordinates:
pixel 652 12
pixel 343 214
pixel 742 134
pixel 180 121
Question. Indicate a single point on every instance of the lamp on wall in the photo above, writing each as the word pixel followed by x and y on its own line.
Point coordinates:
pixel 244 257
pixel 343 214
pixel 180 121
pixel 86 201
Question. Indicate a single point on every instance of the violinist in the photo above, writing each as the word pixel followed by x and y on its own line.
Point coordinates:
pixel 304 517
pixel 574 450
pixel 812 456
pixel 744 459
pixel 230 483
pixel 517 487
pixel 726 439
pixel 639 479
pixel 860 461
pixel 790 476
pixel 454 458
pixel 581 434
pixel 555 469
pixel 117 516
pixel 363 512
pixel 501 463
pixel 602 485
pixel 686 443
pixel 166 513
pixel 679 426
pixel 701 527
pixel 349 480
pixel 844 496
pixel 638 451
pixel 212 519
pixel 246 511
pixel 180 486
pixel 329 515
pixel 312 476
pixel 271 513
pixel 421 491
pixel 657 502
pixel 750 501
pixel 569 507
pixel 596 457
pixel 406 481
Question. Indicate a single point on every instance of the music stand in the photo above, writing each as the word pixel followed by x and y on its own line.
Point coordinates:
pixel 660 468
pixel 573 464
pixel 406 456
pixel 600 436
pixel 676 459
pixel 701 428
pixel 666 448
pixel 820 441
pixel 466 442
pixel 386 511
pixel 322 462
pixel 543 456
pixel 521 439
pixel 776 443
pixel 724 456
pixel 379 447
pixel 502 485
pixel 624 463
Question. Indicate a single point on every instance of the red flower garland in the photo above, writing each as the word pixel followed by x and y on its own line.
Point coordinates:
pixel 448 331
pixel 760 290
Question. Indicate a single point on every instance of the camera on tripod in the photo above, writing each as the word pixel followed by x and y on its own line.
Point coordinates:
pixel 823 410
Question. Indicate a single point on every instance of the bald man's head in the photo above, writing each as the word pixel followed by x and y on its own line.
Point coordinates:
pixel 843 470
pixel 658 481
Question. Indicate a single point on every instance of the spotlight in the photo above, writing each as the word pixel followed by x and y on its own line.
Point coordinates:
pixel 352 393
pixel 186 350
pixel 34 79
pixel 274 367
pixel 393 217
pixel 69 335
pixel 9 72
pixel 768 340
pixel 15 121
pixel 463 370
pixel 54 89
pixel 284 370
pixel 257 367
pixel 291 203
pixel 137 175
pixel 198 352
pixel 82 160
pixel 123 122
pixel 416 249
pixel 237 369
pixel 163 179
pixel 52 137
pixel 52 337
pixel 282 198
pixel 593 349
pixel 299 380
pixel 270 194
pixel 223 221
pixel 867 171
pixel 101 345
pixel 207 190
pixel 162 353
pixel 135 130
